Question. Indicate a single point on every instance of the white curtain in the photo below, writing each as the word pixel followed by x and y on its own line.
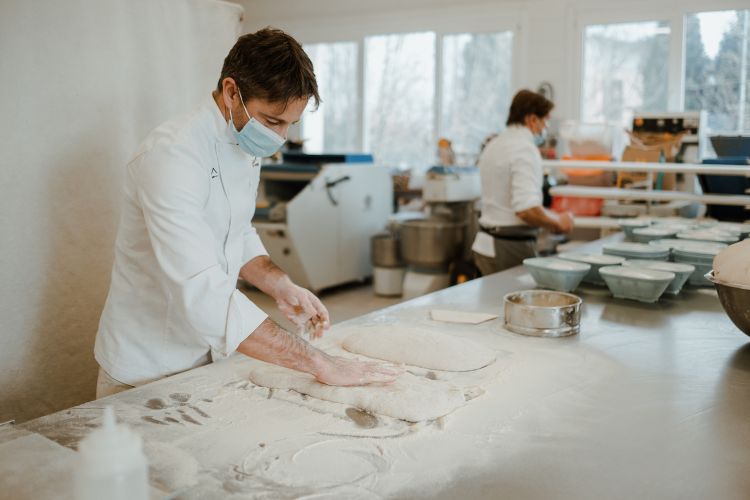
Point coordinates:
pixel 82 82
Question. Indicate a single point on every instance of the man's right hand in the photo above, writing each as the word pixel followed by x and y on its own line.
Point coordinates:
pixel 565 222
pixel 273 344
pixel 335 370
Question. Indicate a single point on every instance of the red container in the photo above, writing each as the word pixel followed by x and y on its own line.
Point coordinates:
pixel 577 206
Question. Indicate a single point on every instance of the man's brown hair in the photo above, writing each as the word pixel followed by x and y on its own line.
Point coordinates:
pixel 525 103
pixel 270 65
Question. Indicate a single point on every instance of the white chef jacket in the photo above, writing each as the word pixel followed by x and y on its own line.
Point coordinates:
pixel 510 168
pixel 184 234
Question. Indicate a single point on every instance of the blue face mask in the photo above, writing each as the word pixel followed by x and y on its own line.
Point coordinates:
pixel 255 138
pixel 541 138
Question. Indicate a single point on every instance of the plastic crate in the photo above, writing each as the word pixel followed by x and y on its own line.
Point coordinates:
pixel 578 206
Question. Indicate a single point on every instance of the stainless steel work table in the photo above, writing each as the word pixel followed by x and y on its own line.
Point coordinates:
pixel 648 401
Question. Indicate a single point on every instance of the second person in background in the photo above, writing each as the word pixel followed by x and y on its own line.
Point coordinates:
pixel 510 167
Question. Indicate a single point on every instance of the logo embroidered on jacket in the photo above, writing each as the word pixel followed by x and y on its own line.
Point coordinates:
pixel 214 173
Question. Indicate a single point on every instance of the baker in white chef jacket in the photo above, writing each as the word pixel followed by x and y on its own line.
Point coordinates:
pixel 185 236
pixel 510 168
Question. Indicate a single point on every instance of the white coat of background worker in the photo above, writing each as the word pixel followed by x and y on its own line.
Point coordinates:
pixel 185 236
pixel 510 168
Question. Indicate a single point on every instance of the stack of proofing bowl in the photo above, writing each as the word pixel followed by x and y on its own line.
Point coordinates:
pixel 699 254
pixel 630 225
pixel 743 230
pixel 596 261
pixel 636 283
pixel 641 251
pixel 682 272
pixel 646 234
pixel 711 235
pixel 556 274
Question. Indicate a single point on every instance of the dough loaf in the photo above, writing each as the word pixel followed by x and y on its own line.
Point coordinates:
pixel 732 265
pixel 409 398
pixel 419 347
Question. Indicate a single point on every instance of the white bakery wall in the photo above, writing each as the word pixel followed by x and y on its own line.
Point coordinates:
pixel 83 81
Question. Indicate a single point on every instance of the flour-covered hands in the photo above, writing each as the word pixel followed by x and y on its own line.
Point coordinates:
pixel 306 312
pixel 339 371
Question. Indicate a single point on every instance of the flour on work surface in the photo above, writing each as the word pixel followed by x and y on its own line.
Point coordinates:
pixel 419 347
pixel 171 467
pixel 410 398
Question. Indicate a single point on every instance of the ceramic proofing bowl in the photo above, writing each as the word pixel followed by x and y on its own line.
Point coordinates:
pixel 556 274
pixel 596 261
pixel 646 234
pixel 637 251
pixel 635 283
pixel 681 272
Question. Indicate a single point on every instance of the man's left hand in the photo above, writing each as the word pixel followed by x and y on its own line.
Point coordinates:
pixel 303 309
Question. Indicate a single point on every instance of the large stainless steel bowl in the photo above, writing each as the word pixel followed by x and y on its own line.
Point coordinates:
pixel 735 299
pixel 430 243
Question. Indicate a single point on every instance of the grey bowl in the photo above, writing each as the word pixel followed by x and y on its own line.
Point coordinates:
pixel 556 274
pixel 681 272
pixel 643 285
pixel 646 234
pixel 596 261
pixel 735 299
pixel 637 251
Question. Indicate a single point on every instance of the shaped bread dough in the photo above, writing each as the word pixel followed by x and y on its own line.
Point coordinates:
pixel 732 265
pixel 409 398
pixel 419 347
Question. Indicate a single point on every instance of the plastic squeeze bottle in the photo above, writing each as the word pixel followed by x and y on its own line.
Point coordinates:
pixel 111 464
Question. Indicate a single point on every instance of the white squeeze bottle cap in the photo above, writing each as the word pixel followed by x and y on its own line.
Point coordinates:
pixel 111 463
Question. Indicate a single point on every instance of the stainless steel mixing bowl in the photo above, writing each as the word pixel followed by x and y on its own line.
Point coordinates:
pixel 542 313
pixel 430 243
pixel 735 299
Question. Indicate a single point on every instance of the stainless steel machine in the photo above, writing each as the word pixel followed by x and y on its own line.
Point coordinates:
pixel 317 213
pixel 436 247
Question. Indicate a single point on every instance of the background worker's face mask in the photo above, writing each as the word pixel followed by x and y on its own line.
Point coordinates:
pixel 255 138
pixel 541 137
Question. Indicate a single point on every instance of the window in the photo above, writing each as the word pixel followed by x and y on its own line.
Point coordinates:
pixel 390 103
pixel 399 98
pixel 717 68
pixel 476 89
pixel 333 127
pixel 625 69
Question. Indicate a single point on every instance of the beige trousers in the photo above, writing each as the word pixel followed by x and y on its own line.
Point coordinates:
pixel 107 386
pixel 508 253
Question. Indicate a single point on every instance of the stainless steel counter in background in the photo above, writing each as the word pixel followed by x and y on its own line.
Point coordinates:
pixel 648 402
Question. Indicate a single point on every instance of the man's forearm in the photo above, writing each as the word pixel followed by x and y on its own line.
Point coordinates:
pixel 540 217
pixel 271 343
pixel 262 273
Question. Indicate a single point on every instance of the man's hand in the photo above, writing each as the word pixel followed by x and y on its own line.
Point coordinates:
pixel 565 222
pixel 302 308
pixel 272 344
pixel 299 305
pixel 340 371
